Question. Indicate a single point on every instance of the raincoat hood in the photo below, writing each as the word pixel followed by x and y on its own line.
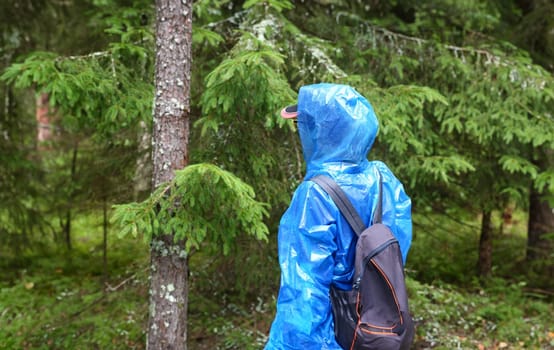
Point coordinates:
pixel 336 125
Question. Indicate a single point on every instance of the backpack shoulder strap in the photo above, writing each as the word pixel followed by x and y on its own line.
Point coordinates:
pixel 344 204
pixel 341 201
pixel 378 215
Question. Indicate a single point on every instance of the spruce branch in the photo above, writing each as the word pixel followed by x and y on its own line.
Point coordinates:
pixel 481 55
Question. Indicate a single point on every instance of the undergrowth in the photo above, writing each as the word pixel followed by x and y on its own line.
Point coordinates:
pixel 58 301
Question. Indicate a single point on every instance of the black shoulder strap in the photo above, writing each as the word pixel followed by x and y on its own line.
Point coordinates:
pixel 378 215
pixel 344 204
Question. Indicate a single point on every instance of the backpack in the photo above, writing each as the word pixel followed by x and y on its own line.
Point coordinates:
pixel 374 314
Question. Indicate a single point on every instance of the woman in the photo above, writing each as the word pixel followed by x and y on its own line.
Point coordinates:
pixel 337 127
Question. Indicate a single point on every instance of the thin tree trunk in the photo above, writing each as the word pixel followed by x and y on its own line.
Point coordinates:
pixel 540 247
pixel 541 222
pixel 67 225
pixel 167 327
pixel 105 240
pixel 67 229
pixel 143 166
pixel 484 264
pixel 44 121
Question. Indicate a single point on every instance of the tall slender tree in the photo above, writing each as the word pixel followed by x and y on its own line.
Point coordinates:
pixel 535 32
pixel 169 282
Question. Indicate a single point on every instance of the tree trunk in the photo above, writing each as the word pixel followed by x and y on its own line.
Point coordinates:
pixel 541 223
pixel 167 327
pixel 105 240
pixel 540 248
pixel 484 264
pixel 71 194
pixel 44 121
pixel 143 165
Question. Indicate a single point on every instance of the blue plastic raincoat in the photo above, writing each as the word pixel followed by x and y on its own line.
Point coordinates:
pixel 337 127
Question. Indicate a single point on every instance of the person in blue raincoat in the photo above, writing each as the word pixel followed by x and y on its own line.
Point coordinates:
pixel 337 127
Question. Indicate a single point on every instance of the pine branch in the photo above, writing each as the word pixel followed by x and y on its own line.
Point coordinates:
pixel 457 51
pixel 235 19
pixel 109 288
pixel 86 56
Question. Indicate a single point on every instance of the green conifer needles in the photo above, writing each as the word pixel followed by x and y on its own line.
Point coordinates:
pixel 202 204
pixel 278 5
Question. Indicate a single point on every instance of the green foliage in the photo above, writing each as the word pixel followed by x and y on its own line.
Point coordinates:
pixel 98 102
pixel 456 20
pixel 234 80
pixel 92 94
pixel 241 98
pixel 239 336
pixel 518 165
pixel 205 36
pixel 496 108
pixel 449 319
pixel 465 123
pixel 21 220
pixel 202 204
pixel 50 303
pixel 449 234
pixel 278 5
pixel 545 181
pixel 56 303
pixel 461 113
pixel 100 93
pixel 433 141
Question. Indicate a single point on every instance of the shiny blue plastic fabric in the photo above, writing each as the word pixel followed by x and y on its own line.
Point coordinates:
pixel 337 127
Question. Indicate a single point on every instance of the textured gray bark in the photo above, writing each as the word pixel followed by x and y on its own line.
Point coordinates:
pixel 172 100
pixel 169 275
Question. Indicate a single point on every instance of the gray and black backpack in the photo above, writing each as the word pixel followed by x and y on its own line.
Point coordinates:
pixel 375 313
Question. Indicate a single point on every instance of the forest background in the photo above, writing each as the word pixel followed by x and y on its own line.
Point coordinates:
pixel 464 93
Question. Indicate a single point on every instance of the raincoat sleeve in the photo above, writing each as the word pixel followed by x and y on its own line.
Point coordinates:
pixel 307 245
pixel 397 209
